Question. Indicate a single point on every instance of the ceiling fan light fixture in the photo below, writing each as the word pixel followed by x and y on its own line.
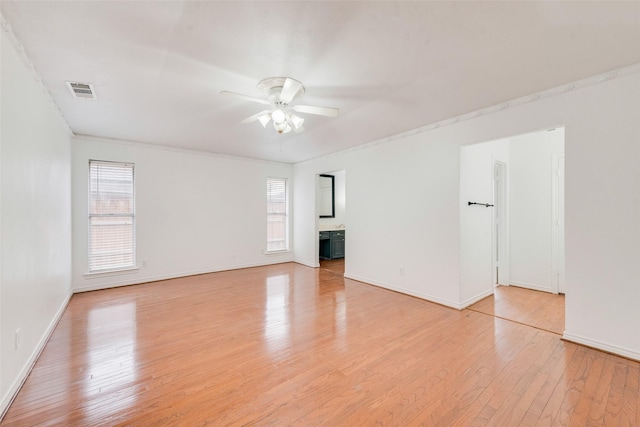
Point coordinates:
pixel 264 119
pixel 278 116
pixel 281 92
pixel 295 120
pixel 282 127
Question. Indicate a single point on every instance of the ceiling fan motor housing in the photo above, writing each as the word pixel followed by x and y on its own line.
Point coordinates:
pixel 272 87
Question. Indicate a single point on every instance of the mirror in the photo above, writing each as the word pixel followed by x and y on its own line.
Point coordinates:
pixel 327 197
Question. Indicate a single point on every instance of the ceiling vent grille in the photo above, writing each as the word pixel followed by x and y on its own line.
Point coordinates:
pixel 82 90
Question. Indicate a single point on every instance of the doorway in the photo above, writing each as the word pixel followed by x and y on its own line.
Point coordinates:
pixel 519 238
pixel 520 243
pixel 331 217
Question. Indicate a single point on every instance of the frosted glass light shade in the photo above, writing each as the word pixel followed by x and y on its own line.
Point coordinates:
pixel 264 119
pixel 282 127
pixel 296 121
pixel 278 116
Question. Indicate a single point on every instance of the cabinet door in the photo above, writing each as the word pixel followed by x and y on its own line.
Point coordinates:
pixel 337 248
pixel 325 248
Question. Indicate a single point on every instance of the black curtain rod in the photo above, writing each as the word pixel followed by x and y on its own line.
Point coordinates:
pixel 486 205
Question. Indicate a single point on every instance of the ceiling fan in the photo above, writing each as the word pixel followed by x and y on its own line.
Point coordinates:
pixel 280 92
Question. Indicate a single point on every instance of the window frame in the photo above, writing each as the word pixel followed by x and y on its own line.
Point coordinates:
pixel 286 216
pixel 133 266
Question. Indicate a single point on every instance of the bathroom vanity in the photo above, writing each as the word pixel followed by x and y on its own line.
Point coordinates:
pixel 332 244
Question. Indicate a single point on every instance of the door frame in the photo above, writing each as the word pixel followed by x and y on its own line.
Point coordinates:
pixel 500 228
pixel 557 229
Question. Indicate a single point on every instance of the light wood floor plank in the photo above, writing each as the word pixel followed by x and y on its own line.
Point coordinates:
pixel 290 345
pixel 630 415
pixel 542 310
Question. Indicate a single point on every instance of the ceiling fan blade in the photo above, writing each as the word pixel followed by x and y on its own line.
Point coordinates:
pixel 260 116
pixel 289 90
pixel 245 97
pixel 321 111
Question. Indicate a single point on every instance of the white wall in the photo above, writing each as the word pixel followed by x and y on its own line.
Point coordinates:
pixel 531 208
pixel 35 209
pixel 602 212
pixel 400 201
pixel 195 212
pixel 340 202
pixel 418 176
pixel 476 222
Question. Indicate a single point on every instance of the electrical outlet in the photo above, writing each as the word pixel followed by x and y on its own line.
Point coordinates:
pixel 144 262
pixel 402 270
pixel 17 339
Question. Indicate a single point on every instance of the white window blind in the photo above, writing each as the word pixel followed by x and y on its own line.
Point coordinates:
pixel 111 216
pixel 277 221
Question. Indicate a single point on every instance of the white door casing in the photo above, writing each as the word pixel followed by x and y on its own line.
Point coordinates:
pixel 500 225
pixel 558 223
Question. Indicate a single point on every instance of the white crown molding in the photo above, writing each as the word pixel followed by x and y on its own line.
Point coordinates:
pixel 151 146
pixel 535 97
pixel 6 28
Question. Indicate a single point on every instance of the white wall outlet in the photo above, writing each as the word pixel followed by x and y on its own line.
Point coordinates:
pixel 17 339
pixel 402 270
pixel 144 262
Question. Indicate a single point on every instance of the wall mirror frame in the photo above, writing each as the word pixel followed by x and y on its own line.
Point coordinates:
pixel 327 196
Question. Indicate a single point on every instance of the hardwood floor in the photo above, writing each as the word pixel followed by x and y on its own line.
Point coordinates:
pixel 334 265
pixel 538 309
pixel 291 345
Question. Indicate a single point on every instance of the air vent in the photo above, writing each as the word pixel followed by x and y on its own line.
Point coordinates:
pixel 82 90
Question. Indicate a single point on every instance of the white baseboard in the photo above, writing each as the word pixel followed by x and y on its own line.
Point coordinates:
pixel 609 348
pixel 420 295
pixel 307 263
pixel 466 303
pixel 532 286
pixel 11 393
pixel 139 280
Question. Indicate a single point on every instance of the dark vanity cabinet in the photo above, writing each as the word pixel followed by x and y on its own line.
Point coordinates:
pixel 337 244
pixel 332 244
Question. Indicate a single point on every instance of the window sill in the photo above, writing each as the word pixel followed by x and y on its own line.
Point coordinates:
pixel 281 251
pixel 107 273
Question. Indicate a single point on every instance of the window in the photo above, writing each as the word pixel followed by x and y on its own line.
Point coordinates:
pixel 111 216
pixel 277 219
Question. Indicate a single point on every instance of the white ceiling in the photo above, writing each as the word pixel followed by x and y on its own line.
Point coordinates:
pixel 158 67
